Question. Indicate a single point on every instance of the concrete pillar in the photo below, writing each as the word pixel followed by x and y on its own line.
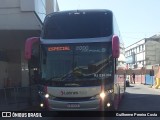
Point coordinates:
pixel 51 6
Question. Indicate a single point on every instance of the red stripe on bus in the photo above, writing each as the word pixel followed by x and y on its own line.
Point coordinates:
pixel 100 102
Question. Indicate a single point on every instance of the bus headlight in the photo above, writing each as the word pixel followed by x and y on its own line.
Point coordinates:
pixel 42 105
pixel 108 104
pixel 46 95
pixel 102 95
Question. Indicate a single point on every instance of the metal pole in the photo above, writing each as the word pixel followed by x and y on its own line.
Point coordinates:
pixel 141 78
pixel 152 80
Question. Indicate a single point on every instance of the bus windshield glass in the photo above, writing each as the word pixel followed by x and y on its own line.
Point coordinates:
pixel 78 25
pixel 76 62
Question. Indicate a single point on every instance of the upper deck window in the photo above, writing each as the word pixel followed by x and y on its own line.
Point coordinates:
pixel 71 25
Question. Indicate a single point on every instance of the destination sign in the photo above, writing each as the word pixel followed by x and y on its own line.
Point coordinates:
pixel 59 48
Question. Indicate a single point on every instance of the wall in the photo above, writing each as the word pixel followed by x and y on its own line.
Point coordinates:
pixel 9 3
pixel 3 74
pixel 19 20
pixel 14 67
pixel 152 52
pixel 135 54
pixel 51 6
pixel 19 15
pixel 40 9
pixel 37 6
pixel 135 44
pixel 25 14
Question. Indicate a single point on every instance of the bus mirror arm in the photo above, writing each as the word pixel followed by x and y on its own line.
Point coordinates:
pixel 28 47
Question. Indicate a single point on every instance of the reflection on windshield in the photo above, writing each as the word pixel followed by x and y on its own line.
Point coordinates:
pixel 93 71
pixel 88 63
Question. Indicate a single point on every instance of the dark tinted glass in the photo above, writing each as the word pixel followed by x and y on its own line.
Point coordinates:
pixel 86 60
pixel 78 25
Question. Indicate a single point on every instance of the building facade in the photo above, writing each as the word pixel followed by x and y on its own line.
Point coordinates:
pixel 143 53
pixel 19 20
pixel 153 50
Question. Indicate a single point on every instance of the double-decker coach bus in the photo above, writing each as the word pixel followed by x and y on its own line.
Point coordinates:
pixel 75 61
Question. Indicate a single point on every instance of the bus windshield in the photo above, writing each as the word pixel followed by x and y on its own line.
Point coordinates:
pixel 76 62
pixel 78 25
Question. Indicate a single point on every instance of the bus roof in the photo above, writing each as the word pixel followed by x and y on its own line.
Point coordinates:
pixel 80 11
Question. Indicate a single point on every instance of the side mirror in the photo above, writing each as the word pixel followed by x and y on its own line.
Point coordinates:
pixel 28 46
pixel 115 46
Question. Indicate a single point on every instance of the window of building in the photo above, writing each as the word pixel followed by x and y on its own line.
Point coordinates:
pixel 137 49
pixel 142 47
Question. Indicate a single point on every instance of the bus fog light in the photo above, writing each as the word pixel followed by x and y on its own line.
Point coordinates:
pixel 41 105
pixel 46 95
pixel 102 95
pixel 108 104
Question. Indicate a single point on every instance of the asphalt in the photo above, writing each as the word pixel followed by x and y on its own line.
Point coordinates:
pixel 141 98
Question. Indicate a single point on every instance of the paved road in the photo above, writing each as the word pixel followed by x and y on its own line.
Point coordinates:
pixel 137 98
pixel 141 98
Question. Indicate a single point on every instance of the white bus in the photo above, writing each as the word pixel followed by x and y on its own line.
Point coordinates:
pixel 76 61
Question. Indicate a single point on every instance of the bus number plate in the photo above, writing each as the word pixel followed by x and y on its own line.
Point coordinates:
pixel 73 105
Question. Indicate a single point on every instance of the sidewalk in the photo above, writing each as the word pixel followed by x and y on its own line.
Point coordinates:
pixel 146 86
pixel 152 88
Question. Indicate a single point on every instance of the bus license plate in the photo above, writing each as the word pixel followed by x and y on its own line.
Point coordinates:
pixel 73 105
